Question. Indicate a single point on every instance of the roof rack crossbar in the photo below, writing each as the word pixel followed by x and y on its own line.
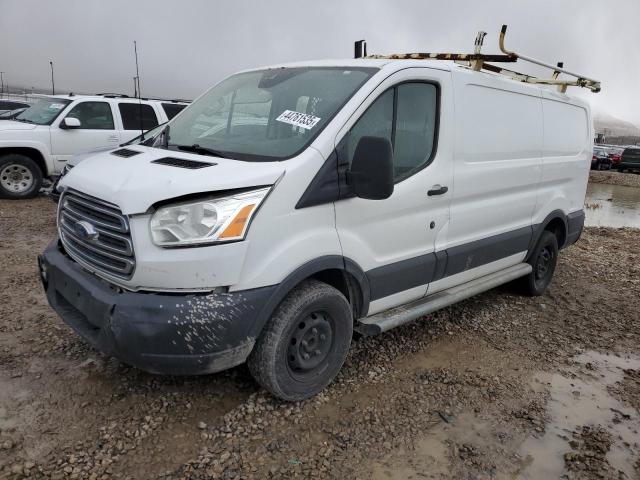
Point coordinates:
pixel 478 61
pixel 582 81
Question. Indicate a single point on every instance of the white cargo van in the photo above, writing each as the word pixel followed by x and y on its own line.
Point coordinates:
pixel 291 205
pixel 38 143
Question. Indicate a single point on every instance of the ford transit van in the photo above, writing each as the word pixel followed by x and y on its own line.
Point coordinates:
pixel 290 206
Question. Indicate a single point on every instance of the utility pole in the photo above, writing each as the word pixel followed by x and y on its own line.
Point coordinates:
pixel 2 83
pixel 53 83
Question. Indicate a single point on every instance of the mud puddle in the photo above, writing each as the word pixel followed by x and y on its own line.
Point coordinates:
pixel 581 398
pixel 585 431
pixel 612 206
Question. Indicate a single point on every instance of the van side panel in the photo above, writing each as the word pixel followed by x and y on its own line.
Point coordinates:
pixel 497 166
pixel 567 149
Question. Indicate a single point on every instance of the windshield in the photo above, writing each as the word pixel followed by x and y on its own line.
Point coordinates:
pixel 265 115
pixel 44 111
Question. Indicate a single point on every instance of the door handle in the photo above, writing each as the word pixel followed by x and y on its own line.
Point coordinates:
pixel 437 190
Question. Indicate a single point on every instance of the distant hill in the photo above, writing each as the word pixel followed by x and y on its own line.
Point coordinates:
pixel 614 127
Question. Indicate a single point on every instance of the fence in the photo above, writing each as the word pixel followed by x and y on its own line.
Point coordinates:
pixel 26 97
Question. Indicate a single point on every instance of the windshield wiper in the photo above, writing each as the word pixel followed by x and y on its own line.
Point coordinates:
pixel 23 120
pixel 195 148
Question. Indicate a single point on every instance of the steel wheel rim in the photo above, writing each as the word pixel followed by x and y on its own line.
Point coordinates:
pixel 310 344
pixel 16 178
pixel 543 263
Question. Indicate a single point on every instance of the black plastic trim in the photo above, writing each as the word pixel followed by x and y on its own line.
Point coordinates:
pixel 328 262
pixel 324 187
pixel 486 250
pixel 400 276
pixel 125 152
pixel 540 227
pixel 575 226
pixel 183 163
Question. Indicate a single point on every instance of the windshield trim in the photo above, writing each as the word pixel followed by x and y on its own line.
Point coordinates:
pixel 251 157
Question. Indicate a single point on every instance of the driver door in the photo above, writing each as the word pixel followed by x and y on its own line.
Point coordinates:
pixel 394 240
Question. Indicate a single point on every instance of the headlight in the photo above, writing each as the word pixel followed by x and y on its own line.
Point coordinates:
pixel 221 219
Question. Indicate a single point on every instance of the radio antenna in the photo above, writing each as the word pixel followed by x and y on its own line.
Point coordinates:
pixel 135 51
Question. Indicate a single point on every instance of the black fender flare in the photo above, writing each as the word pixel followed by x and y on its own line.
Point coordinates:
pixel 357 283
pixel 540 227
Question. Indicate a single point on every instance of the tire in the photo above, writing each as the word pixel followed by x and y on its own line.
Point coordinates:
pixel 304 344
pixel 20 177
pixel 543 260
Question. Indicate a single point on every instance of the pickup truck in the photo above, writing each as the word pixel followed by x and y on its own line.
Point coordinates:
pixel 38 142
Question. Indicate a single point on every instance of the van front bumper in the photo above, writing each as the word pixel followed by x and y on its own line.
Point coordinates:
pixel 156 332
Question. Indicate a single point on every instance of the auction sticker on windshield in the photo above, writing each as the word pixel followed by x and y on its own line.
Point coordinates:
pixel 56 106
pixel 298 119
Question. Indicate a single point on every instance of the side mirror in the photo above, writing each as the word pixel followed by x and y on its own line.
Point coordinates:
pixel 70 122
pixel 371 171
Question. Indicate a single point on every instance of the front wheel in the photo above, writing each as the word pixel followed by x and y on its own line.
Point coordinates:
pixel 543 261
pixel 20 177
pixel 305 343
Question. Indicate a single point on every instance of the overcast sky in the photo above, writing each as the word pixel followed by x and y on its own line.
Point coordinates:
pixel 185 46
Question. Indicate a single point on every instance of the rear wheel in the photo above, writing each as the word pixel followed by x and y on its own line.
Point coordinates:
pixel 543 261
pixel 305 343
pixel 20 177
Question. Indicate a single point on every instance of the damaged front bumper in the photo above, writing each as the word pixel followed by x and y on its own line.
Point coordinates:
pixel 156 332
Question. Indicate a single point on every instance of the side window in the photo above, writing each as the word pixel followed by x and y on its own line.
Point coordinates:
pixel 412 131
pixel 172 109
pixel 93 115
pixel 131 116
pixel 415 127
pixel 377 121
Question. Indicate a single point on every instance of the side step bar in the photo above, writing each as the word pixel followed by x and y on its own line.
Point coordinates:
pixel 383 321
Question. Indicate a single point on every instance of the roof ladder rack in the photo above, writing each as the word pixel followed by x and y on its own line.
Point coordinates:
pixel 478 62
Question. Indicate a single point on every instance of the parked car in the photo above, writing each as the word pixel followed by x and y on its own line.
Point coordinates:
pixel 365 194
pixel 9 114
pixel 10 105
pixel 38 142
pixel 615 153
pixel 600 159
pixel 630 159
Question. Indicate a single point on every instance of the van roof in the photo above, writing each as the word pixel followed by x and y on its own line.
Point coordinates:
pixel 393 65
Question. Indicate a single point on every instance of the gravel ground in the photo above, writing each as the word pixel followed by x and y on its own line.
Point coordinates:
pixel 499 386
pixel 612 177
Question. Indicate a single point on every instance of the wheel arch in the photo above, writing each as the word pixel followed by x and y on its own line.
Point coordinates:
pixel 340 272
pixel 30 152
pixel 557 223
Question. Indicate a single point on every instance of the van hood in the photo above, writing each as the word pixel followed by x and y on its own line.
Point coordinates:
pixel 13 125
pixel 136 183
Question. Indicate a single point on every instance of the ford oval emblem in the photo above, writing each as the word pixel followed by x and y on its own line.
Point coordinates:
pixel 86 231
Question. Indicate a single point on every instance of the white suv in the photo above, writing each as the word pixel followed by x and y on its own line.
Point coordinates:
pixel 39 141
pixel 289 206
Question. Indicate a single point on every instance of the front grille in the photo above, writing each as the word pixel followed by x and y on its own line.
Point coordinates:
pixel 112 251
